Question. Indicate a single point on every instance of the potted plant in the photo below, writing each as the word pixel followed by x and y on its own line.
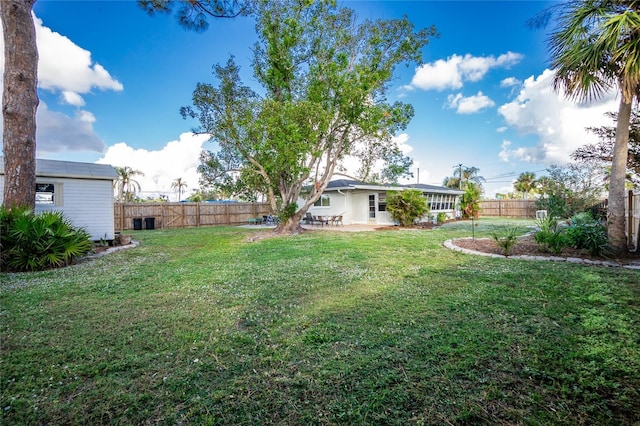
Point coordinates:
pixel 122 239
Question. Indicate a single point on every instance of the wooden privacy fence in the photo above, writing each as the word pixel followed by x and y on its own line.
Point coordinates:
pixel 508 208
pixel 184 215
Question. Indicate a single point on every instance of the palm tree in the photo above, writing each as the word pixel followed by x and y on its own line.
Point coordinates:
pixel 526 183
pixel 596 47
pixel 451 182
pixel 178 184
pixel 126 184
pixel 470 174
pixel 462 175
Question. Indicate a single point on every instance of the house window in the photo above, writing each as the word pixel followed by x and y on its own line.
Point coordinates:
pixel 323 201
pixel 48 194
pixel 440 201
pixel 382 202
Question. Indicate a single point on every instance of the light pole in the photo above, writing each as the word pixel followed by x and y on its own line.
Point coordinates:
pixel 459 176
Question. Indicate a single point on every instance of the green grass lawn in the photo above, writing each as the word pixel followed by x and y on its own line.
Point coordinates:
pixel 203 326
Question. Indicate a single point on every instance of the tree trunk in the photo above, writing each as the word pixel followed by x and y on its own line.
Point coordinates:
pixel 616 216
pixel 19 103
pixel 291 226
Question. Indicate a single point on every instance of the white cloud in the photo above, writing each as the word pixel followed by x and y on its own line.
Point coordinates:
pixel 559 123
pixel 510 82
pixel 57 132
pixel 470 104
pixel 177 159
pixel 439 75
pixel 451 74
pixel 526 154
pixel 72 98
pixel 402 141
pixel 501 129
pixel 65 66
pixel 67 69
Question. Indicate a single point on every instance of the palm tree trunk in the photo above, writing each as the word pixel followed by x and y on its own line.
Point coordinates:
pixel 616 216
pixel 19 103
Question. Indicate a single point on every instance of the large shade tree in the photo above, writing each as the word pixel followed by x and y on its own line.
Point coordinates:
pixel 195 14
pixel 324 78
pixel 19 103
pixel 602 151
pixel 20 97
pixel 594 48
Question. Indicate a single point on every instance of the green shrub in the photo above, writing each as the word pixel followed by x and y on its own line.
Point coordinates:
pixel 470 200
pixel 288 211
pixel 441 217
pixel 551 236
pixel 586 232
pixel 506 239
pixel 406 207
pixel 33 242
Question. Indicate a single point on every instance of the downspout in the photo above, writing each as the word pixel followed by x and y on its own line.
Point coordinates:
pixel 345 199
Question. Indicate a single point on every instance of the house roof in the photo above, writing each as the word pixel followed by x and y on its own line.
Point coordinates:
pixel 348 185
pixel 71 169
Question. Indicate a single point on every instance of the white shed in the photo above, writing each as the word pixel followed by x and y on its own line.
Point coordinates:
pixel 363 203
pixel 82 191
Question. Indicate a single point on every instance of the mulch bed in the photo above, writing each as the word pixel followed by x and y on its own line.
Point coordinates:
pixel 526 246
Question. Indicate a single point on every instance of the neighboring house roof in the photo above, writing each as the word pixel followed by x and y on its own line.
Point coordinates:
pixel 346 185
pixel 71 169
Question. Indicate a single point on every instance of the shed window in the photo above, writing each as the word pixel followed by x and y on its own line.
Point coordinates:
pixel 48 194
pixel 323 201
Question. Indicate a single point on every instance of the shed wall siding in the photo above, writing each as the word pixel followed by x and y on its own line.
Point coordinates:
pixel 86 203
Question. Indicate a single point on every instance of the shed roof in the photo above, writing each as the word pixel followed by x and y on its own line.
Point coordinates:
pixel 71 169
pixel 347 184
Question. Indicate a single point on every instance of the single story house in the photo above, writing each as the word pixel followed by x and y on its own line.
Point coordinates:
pixel 363 203
pixel 82 191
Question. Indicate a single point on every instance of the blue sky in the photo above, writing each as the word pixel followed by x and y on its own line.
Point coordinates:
pixel 112 80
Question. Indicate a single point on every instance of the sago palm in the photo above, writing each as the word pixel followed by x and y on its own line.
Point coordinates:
pixel 595 48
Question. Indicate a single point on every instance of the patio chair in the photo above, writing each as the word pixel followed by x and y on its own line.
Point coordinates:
pixel 321 220
pixel 308 218
pixel 335 220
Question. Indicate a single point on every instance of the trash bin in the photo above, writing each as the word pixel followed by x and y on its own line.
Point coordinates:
pixel 149 223
pixel 137 223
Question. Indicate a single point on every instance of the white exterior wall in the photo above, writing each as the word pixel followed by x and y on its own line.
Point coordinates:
pixel 338 205
pixel 360 207
pixel 87 203
pixel 353 205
